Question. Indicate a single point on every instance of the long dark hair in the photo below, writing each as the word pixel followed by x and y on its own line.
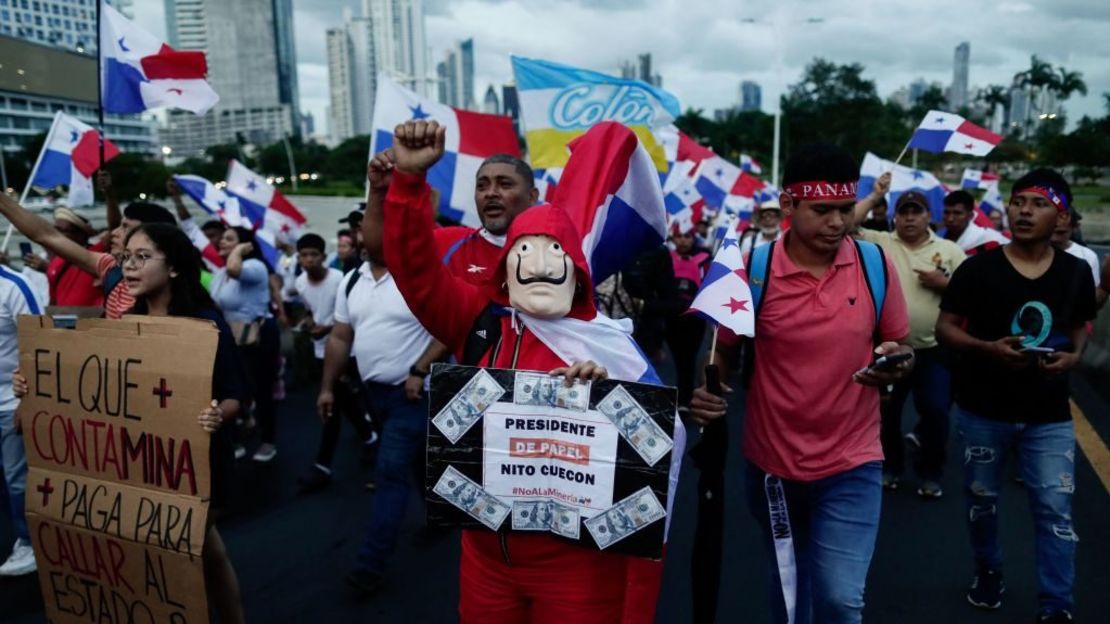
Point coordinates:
pixel 187 296
pixel 246 235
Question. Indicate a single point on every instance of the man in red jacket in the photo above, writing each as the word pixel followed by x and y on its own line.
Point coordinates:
pixel 540 290
pixel 503 189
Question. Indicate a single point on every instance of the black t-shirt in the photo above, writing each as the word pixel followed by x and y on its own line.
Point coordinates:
pixel 996 302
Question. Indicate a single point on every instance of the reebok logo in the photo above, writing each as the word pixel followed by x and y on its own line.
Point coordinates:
pixel 481 334
pixel 475 269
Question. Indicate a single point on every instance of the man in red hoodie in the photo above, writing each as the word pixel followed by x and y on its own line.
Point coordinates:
pixel 540 287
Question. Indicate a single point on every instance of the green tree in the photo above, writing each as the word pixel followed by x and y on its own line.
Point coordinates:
pixel 348 160
pixel 837 104
pixel 134 174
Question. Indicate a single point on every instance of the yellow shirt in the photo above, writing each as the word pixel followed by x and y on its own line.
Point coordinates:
pixel 923 303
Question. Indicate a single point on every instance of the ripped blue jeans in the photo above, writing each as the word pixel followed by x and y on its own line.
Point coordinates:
pixel 1046 458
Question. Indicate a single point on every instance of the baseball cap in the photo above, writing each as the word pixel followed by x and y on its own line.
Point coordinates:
pixel 354 217
pixel 770 204
pixel 912 198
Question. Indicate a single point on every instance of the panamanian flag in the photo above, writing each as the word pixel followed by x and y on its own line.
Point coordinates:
pixel 263 205
pixel 69 157
pixel 948 132
pixel 610 187
pixel 471 138
pixel 139 71
pixel 228 209
pixel 977 179
pixel 725 297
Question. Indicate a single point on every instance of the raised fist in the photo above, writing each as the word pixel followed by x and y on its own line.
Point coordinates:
pixel 417 145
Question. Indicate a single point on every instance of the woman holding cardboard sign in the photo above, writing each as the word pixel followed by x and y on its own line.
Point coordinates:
pixel 162 271
pixel 242 290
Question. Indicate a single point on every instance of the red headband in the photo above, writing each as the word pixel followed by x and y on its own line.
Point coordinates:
pixel 1048 193
pixel 825 191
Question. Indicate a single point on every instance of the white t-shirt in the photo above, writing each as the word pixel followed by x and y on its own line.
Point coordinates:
pixel 319 298
pixel 388 338
pixel 759 239
pixel 16 297
pixel 1089 256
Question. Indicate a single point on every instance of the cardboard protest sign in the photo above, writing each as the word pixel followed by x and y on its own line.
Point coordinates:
pixel 119 478
pixel 520 451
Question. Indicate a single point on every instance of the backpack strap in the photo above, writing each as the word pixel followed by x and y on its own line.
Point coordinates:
pixel 759 272
pixel 353 276
pixel 455 247
pixel 758 275
pixel 484 334
pixel 111 279
pixel 874 270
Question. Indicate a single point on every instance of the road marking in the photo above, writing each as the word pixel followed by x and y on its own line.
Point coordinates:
pixel 1092 445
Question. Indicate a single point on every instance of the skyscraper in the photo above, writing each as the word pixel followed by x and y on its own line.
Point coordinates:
pixel 957 97
pixel 751 96
pixel 466 77
pixel 62 23
pixel 455 76
pixel 352 77
pixel 286 50
pixel 510 104
pixel 490 103
pixel 400 42
pixel 251 65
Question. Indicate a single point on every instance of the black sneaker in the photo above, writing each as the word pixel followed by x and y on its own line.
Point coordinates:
pixel 314 481
pixel 1056 617
pixel 986 589
pixel 364 582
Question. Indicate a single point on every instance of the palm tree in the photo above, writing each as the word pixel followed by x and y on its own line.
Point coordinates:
pixel 1069 82
pixel 993 97
pixel 1036 80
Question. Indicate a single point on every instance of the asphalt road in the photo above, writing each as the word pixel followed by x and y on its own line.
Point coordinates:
pixel 292 552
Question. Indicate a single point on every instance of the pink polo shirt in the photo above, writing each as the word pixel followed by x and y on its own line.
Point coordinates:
pixel 806 418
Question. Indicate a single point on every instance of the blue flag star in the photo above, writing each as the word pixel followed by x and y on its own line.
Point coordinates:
pixel 418 112
pixel 252 185
pixel 940 119
pixel 73 136
pixel 917 175
pixel 222 204
pixel 122 46
pixel 729 242
pixel 720 172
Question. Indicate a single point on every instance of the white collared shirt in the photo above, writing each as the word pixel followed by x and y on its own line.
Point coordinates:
pixel 388 338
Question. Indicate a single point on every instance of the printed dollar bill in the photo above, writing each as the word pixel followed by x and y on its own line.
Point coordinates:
pixel 635 425
pixel 466 407
pixel 546 515
pixel 625 518
pixel 468 496
pixel 547 391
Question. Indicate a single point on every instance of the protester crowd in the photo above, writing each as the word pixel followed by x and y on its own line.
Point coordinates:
pixel 823 437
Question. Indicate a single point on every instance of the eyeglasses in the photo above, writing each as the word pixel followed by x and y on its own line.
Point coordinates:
pixel 138 259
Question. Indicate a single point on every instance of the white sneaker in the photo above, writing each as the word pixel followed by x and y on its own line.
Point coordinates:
pixel 265 453
pixel 21 561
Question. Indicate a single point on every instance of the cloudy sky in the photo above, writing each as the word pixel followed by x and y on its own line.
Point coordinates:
pixel 704 48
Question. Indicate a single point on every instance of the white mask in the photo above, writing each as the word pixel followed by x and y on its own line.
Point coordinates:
pixel 541 277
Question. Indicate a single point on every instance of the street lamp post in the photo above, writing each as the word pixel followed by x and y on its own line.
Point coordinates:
pixel 777 23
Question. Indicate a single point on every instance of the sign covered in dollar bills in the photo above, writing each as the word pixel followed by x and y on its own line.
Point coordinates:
pixel 521 451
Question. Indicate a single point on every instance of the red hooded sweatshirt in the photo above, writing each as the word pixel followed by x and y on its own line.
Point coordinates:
pixel 447 307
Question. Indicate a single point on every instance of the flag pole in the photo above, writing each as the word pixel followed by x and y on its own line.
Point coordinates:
pixel 904 150
pixel 99 78
pixel 30 178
